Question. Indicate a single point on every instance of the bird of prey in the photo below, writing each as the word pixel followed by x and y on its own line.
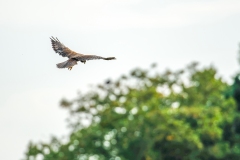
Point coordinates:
pixel 73 57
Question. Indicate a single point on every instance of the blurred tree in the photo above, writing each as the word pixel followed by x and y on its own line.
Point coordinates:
pixel 234 90
pixel 147 115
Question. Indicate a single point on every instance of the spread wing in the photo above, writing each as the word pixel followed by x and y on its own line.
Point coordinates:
pixel 62 50
pixel 91 57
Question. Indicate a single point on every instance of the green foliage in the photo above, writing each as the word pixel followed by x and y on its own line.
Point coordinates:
pixel 148 115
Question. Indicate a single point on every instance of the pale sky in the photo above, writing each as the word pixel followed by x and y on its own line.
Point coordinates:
pixel 171 33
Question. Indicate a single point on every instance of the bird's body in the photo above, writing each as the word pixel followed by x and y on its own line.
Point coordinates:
pixel 73 57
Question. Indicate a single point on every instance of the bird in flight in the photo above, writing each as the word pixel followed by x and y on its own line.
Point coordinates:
pixel 73 57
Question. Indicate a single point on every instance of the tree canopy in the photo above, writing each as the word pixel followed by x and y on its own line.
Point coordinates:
pixel 147 115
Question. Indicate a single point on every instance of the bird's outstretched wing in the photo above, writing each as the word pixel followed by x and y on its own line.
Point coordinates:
pixel 61 49
pixel 91 57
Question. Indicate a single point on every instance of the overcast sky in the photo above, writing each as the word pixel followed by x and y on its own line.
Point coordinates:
pixel 171 33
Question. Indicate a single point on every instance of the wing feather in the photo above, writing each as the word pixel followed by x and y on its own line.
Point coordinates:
pixel 61 49
pixel 91 57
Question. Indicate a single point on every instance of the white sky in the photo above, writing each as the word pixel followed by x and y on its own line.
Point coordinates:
pixel 171 33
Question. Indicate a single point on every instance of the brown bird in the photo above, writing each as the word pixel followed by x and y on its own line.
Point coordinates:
pixel 73 57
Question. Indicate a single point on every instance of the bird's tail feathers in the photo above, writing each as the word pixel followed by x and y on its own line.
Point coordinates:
pixel 67 64
pixel 62 65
